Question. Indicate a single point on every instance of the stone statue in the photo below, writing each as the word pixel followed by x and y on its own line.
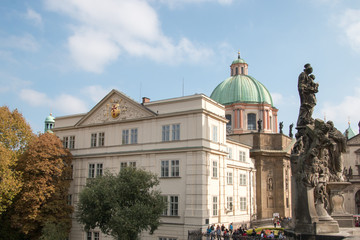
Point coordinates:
pixel 307 89
pixel 316 160
pixel 350 171
pixel 290 130
pixel 359 126
pixel 281 125
pixel 259 125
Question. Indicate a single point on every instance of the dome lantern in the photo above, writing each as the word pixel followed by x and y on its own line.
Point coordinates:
pixel 49 123
pixel 238 67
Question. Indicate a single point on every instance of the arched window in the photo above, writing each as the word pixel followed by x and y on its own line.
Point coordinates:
pixel 242 70
pixel 236 71
pixel 228 117
pixel 251 118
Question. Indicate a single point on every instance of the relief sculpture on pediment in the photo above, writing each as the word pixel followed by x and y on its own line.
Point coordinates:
pixel 115 109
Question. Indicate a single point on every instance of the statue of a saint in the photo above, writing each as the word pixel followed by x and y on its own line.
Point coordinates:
pixel 259 125
pixel 281 125
pixel 307 89
pixel 290 130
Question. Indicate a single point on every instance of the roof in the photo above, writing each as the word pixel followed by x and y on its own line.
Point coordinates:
pixel 350 133
pixel 49 119
pixel 241 89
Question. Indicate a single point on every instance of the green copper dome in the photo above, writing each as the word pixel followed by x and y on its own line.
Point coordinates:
pixel 241 89
pixel 49 119
pixel 239 60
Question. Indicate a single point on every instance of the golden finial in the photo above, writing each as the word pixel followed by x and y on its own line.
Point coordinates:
pixel 238 54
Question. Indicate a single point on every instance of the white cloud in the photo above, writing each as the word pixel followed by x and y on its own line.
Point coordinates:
pixel 341 112
pixel 26 42
pixel 176 3
pixel 350 23
pixel 65 103
pixel 106 29
pixel 95 92
pixel 34 17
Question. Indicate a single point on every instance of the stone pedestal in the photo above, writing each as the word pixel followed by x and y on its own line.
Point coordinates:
pixel 337 210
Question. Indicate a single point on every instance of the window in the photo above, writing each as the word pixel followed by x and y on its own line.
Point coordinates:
pixel 242 156
pixel 170 168
pixel 99 170
pixel 134 136
pixel 93 236
pixel 215 206
pixel 243 203
pixel 251 121
pixel 93 139
pixel 127 164
pixel 237 71
pixel 229 177
pixel 69 199
pixel 175 170
pixel 125 136
pixel 101 139
pixel 172 206
pixel 66 142
pixel 228 117
pixel 72 142
pixel 215 169
pixel 242 179
pixel 166 133
pixel 69 142
pixel 229 203
pixel 123 165
pixel 96 236
pixel 175 132
pixel 215 134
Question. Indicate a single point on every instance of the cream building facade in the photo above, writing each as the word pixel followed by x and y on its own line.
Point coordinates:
pixel 205 177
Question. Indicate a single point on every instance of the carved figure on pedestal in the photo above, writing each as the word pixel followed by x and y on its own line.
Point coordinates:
pixel 307 89
pixel 281 125
pixel 290 130
pixel 259 125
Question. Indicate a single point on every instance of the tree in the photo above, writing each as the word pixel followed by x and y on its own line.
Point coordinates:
pixel 15 132
pixel 45 167
pixel 53 231
pixel 121 205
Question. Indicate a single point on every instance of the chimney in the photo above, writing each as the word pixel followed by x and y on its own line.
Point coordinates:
pixel 145 100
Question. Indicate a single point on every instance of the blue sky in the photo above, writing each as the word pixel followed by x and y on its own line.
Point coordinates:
pixel 64 56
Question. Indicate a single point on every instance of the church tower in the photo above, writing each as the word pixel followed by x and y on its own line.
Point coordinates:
pixel 248 103
pixel 252 120
pixel 49 123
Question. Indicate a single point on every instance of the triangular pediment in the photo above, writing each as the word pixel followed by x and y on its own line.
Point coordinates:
pixel 115 107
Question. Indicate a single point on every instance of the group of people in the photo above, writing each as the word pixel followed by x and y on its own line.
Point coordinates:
pixel 240 233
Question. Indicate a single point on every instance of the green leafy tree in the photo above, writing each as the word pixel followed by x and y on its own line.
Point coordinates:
pixel 45 167
pixel 121 205
pixel 53 231
pixel 15 133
